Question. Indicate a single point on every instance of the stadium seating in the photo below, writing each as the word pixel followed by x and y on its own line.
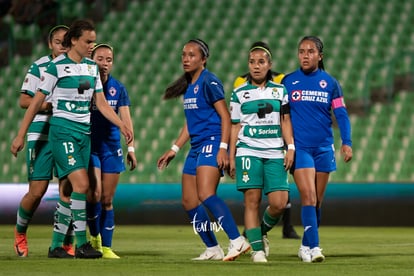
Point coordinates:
pixel 366 44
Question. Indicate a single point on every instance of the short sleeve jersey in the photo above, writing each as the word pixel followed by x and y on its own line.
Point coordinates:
pixel 71 87
pixel 106 136
pixel 38 129
pixel 311 99
pixel 258 111
pixel 203 121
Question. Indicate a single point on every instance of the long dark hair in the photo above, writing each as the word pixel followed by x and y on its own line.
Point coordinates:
pixel 319 46
pixel 76 30
pixel 179 86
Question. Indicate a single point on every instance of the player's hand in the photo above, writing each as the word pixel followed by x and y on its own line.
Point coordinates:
pixel 222 159
pixel 129 136
pixel 165 159
pixel 17 145
pixel 346 152
pixel 131 160
pixel 289 158
pixel 231 171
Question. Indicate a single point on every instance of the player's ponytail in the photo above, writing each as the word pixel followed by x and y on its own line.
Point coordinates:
pixel 178 87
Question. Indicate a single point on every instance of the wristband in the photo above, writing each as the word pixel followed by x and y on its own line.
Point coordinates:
pixel 291 147
pixel 224 145
pixel 131 149
pixel 175 148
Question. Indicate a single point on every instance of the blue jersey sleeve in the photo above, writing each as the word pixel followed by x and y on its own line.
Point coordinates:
pixel 341 114
pixel 344 125
pixel 213 89
pixel 124 98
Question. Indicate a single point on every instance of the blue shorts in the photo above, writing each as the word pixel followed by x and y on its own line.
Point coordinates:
pixel 203 155
pixel 108 162
pixel 320 158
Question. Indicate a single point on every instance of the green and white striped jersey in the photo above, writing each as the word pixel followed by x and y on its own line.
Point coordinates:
pixel 71 86
pixel 258 111
pixel 39 128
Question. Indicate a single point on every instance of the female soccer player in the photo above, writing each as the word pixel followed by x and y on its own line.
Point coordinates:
pixel 260 125
pixel 288 231
pixel 72 80
pixel 207 126
pixel 107 160
pixel 313 94
pixel 39 153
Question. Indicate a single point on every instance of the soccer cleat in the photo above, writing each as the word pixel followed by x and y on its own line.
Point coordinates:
pixel 304 254
pixel 290 233
pixel 211 253
pixel 107 253
pixel 59 253
pixel 96 242
pixel 20 244
pixel 237 247
pixel 316 255
pixel 259 256
pixel 69 249
pixel 86 251
pixel 266 245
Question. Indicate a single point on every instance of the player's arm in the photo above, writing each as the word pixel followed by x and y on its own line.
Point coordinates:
pixel 34 107
pixel 341 114
pixel 125 116
pixel 110 114
pixel 287 134
pixel 26 99
pixel 169 155
pixel 223 112
pixel 234 133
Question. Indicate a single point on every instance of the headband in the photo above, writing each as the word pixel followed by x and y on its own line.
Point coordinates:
pixel 98 45
pixel 203 46
pixel 56 28
pixel 262 48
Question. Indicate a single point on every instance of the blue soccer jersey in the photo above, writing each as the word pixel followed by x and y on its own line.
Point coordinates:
pixel 312 97
pixel 106 136
pixel 203 121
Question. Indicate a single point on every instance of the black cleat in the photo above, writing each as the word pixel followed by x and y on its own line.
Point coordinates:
pixel 59 253
pixel 290 233
pixel 86 251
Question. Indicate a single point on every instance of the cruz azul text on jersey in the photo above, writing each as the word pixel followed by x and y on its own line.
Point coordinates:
pixel 310 96
pixel 190 103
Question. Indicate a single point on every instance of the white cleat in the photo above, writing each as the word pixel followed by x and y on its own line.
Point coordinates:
pixel 316 255
pixel 211 253
pixel 304 254
pixel 237 247
pixel 259 256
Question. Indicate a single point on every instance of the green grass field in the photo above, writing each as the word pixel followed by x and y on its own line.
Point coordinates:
pixel 167 250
